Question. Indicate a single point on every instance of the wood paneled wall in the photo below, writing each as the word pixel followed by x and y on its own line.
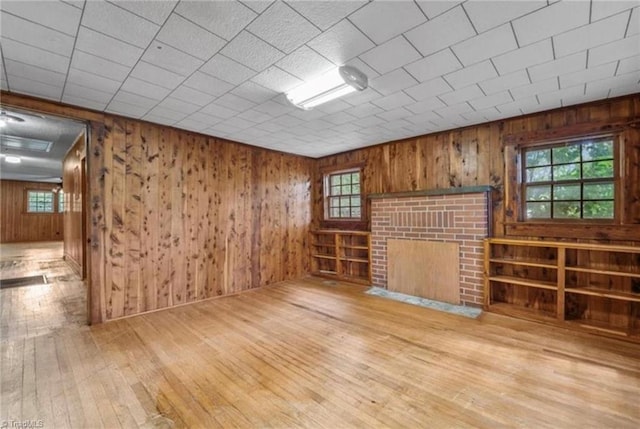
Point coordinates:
pixel 480 155
pixel 16 225
pixel 179 217
pixel 73 208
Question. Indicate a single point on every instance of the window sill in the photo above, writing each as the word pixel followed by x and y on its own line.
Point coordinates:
pixel 345 225
pixel 594 230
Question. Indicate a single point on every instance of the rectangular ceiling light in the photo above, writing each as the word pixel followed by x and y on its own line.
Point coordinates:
pixel 21 143
pixel 329 86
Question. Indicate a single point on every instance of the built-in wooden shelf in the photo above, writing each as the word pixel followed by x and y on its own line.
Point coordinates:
pixel 344 255
pixel 590 286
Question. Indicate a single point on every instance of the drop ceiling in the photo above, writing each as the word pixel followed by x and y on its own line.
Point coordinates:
pixel 221 67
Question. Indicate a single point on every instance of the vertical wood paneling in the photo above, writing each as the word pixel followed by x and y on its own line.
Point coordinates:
pixel 16 225
pixel 72 188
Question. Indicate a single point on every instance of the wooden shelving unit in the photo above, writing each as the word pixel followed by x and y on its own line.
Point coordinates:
pixel 590 286
pixel 343 255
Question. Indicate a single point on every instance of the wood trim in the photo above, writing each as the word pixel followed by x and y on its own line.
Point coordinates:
pixel 574 231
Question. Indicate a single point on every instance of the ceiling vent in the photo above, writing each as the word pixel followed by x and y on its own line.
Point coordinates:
pixel 21 143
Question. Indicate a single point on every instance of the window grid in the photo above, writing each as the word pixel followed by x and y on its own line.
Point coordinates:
pixel 40 202
pixel 344 195
pixel 550 191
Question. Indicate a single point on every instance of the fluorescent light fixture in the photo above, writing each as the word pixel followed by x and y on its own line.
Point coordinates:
pixel 3 123
pixel 13 159
pixel 329 86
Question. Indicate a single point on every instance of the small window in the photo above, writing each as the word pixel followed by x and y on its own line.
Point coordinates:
pixel 570 180
pixel 40 202
pixel 60 201
pixel 343 196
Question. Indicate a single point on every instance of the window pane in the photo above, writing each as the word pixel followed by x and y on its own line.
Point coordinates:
pixel 566 154
pixel 597 150
pixel 344 202
pixel 566 192
pixel 596 169
pixel 598 191
pixel 334 202
pixel 538 193
pixel 567 210
pixel 598 209
pixel 335 212
pixel 61 202
pixel 566 172
pixel 538 157
pixel 335 180
pixel 346 189
pixel 538 210
pixel 355 212
pixel 355 178
pixel 356 189
pixel 539 174
pixel 345 212
pixel 346 179
pixel 355 201
pixel 335 190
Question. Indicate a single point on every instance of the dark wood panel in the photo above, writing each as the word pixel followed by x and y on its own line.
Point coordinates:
pixel 16 225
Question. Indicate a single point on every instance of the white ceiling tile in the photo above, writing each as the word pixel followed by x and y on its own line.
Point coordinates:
pixel 588 75
pixel 394 125
pixel 307 115
pixel 583 98
pixel 238 123
pixel 341 43
pixel 588 36
pixel 470 75
pixel 234 102
pixel 304 63
pixel 79 4
pixel 369 122
pixel 615 84
pixel 393 101
pixel 224 18
pixel 359 97
pixel 603 8
pixel 317 124
pixel 434 66
pixel 177 105
pixel 517 107
pixel 631 88
pixel 428 89
pixel 21 30
pixel 227 69
pixel 190 95
pixel 125 109
pixel 107 47
pixel 207 119
pixel 334 106
pixel 339 118
pixel 382 20
pixel 53 14
pixel 283 27
pixel 276 79
pixel 272 108
pixel 37 74
pixel 156 75
pixel 325 13
pixel 90 80
pixel 571 63
pixel 519 59
pixel 34 56
pixel 394 114
pixel 118 23
pixel 462 95
pixel 624 48
pixel 252 52
pixel 491 100
pixel 254 92
pixel 426 105
pixel 363 110
pixel 628 65
pixel 433 8
pixel 192 125
pixel 99 66
pixel 391 55
pixel 218 111
pixel 146 89
pixel 441 32
pixel 507 81
pixel 207 84
pixel 421 118
pixel 551 20
pixel 363 67
pixel 258 6
pixel 190 38
pixel 163 116
pixel 551 98
pixel 155 11
pixel 30 87
pixel 135 100
pixel 634 22
pixel 84 102
pixel 394 81
pixel 254 116
pixel 79 91
pixel 486 14
pixel 162 55
pixel 269 127
pixel 486 45
pixel 533 89
pixel 453 110
pixel 288 121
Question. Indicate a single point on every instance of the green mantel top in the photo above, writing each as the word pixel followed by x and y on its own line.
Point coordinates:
pixel 432 192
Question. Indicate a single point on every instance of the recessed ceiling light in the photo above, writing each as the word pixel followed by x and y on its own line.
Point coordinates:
pixel 331 85
pixel 13 159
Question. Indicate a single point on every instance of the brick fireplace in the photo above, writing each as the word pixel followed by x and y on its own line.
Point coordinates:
pixel 457 215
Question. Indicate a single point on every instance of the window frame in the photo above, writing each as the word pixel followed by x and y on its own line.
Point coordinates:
pixel 54 201
pixel 615 180
pixel 327 196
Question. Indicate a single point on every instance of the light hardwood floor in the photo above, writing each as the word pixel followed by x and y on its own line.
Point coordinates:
pixel 317 355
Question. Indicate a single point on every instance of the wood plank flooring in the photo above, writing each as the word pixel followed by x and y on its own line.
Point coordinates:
pixel 317 354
